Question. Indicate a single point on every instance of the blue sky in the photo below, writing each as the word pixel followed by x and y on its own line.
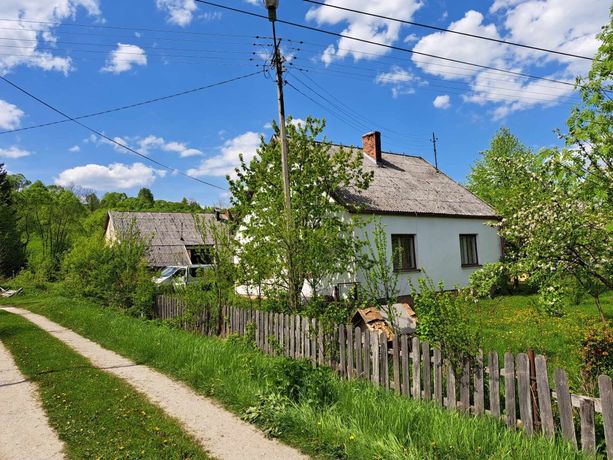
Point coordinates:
pixel 105 54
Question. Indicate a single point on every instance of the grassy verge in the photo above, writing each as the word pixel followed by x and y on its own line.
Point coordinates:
pixel 94 413
pixel 335 419
pixel 513 323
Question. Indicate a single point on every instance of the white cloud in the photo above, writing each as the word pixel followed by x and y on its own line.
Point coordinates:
pixel 224 163
pixel 14 152
pixel 111 177
pixel 74 149
pixel 180 12
pixel 43 16
pixel 566 25
pixel 10 115
pixel 146 144
pixel 401 80
pixel 441 102
pixel 124 57
pixel 363 26
pixel 297 122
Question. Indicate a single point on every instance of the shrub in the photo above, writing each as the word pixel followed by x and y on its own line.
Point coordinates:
pixel 491 280
pixel 442 320
pixel 597 354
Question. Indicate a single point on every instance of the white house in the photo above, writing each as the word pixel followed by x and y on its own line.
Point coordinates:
pixel 440 228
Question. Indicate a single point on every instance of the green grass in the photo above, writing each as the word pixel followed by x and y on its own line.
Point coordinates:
pixel 94 413
pixel 361 423
pixel 513 323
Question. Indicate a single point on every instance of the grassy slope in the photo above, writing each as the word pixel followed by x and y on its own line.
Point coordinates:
pixel 513 323
pixel 94 413
pixel 364 423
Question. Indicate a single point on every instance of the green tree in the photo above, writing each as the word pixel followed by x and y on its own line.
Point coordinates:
pixel 11 248
pixel 50 216
pixel 92 202
pixel 317 242
pixel 146 196
pixel 503 172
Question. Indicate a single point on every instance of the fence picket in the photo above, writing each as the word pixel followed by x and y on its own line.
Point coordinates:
pixel 366 353
pixel 320 343
pixel 605 389
pixel 350 367
pixel 313 338
pixel 465 387
pixel 479 397
pixel 565 406
pixel 385 370
pixel 404 356
pixel 342 344
pixel 509 389
pixel 544 396
pixel 426 365
pixel 451 390
pixel 588 434
pixel 525 395
pixel 415 352
pixel 494 379
pixel 376 350
pixel 438 377
pixel 359 361
pixel 307 339
pixel 396 364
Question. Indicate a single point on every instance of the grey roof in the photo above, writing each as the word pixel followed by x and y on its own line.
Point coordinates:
pixel 410 185
pixel 168 232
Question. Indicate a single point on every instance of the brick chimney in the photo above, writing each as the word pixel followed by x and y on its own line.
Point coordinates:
pixel 371 145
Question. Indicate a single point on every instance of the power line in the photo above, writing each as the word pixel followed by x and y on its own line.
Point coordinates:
pixel 384 45
pixel 104 136
pixel 136 104
pixel 442 29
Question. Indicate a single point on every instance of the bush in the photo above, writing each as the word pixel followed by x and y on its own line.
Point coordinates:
pixel 491 280
pixel 442 320
pixel 114 274
pixel 597 354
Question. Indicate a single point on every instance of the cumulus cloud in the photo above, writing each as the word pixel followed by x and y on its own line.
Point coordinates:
pixel 441 102
pixel 401 80
pixel 74 149
pixel 565 25
pixel 180 12
pixel 42 17
pixel 146 144
pixel 13 152
pixel 223 164
pixel 111 177
pixel 124 57
pixel 362 26
pixel 10 115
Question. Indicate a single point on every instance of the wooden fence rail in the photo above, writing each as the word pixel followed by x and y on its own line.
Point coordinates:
pixel 414 369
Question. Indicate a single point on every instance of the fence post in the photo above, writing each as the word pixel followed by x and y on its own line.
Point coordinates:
pixel 544 395
pixel 366 353
pixel 320 343
pixel 605 389
pixel 451 391
pixel 509 389
pixel 465 387
pixel 588 435
pixel 404 356
pixel 415 352
pixel 494 379
pixel 313 338
pixel 396 363
pixel 565 406
pixel 342 344
pixel 525 395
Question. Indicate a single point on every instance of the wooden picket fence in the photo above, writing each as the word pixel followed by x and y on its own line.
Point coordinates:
pixel 519 393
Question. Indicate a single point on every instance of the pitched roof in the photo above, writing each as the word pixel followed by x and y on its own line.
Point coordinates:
pixel 169 233
pixel 410 185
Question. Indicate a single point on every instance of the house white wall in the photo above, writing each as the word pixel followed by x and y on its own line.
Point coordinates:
pixel 437 246
pixel 437 249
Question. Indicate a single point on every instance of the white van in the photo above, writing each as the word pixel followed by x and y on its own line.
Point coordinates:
pixel 181 275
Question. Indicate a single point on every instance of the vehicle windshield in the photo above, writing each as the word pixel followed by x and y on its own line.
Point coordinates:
pixel 168 271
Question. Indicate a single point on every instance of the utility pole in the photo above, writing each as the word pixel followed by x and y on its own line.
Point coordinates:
pixel 293 290
pixel 434 139
pixel 271 5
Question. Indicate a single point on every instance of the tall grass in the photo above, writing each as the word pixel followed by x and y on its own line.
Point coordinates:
pixel 358 421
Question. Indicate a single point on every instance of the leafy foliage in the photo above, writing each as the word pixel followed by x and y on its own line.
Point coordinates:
pixel 280 252
pixel 597 354
pixel 11 248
